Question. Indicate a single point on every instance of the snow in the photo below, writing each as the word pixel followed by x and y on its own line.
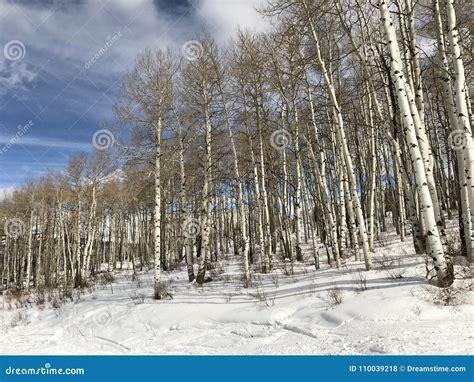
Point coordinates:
pixel 279 314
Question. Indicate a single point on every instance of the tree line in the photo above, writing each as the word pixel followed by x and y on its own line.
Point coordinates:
pixel 345 118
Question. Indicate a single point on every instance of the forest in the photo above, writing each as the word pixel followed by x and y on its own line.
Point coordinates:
pixel 302 144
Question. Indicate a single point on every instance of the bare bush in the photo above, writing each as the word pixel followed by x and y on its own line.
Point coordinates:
pixel 40 296
pixel 391 266
pixel 17 299
pixel 68 293
pixel 335 296
pixel 463 273
pixel 227 279
pixel 166 290
pixel 395 271
pixel 56 300
pixel 137 298
pixel 20 318
pixel 228 296
pixel 106 278
pixel 451 296
pixel 453 245
pixel 136 279
pixel 361 279
pixel 261 295
pixel 216 269
pixel 275 280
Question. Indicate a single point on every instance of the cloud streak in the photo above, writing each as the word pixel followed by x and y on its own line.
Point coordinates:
pixel 58 86
pixel 51 143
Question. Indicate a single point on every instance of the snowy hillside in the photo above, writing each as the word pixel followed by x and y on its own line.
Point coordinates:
pixel 398 313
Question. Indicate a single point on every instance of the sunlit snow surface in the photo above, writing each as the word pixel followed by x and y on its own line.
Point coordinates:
pixel 279 314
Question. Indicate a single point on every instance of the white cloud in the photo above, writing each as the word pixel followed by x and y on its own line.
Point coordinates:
pixel 47 142
pixel 223 17
pixel 60 41
pixel 76 33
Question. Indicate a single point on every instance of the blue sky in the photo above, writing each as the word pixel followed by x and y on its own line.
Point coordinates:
pixel 53 83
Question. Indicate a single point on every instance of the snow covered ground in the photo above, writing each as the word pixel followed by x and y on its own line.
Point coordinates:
pixel 280 314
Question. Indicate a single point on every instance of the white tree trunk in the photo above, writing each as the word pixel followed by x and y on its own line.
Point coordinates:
pixel 206 194
pixel 453 121
pixel 460 94
pixel 157 214
pixel 342 139
pixel 436 249
pixel 29 232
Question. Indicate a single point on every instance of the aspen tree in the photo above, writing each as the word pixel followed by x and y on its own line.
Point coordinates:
pixel 453 121
pixel 442 264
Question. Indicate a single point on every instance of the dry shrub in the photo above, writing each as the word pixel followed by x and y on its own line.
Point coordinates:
pixel 335 296
pixel 137 298
pixel 451 296
pixel 392 267
pixel 361 279
pixel 20 318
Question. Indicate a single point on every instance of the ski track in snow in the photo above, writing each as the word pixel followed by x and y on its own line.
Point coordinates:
pixel 393 316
